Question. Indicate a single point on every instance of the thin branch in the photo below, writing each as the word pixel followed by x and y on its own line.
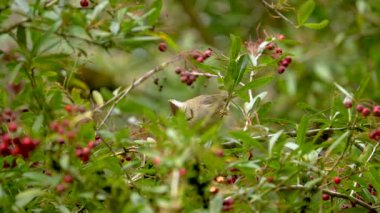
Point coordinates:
pixel 279 13
pixel 116 99
pixel 14 26
pixel 334 194
pixel 350 198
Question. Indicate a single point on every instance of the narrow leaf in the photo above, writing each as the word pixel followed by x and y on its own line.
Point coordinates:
pixel 256 83
pixel 336 143
pixel 344 91
pixel 301 131
pixel 273 141
pixel 23 198
pixel 305 11
pixel 156 6
pixel 317 26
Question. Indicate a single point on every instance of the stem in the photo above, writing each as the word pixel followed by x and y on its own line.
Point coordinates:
pixel 116 99
pixel 279 13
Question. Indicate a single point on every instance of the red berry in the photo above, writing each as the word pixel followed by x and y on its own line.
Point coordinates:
pixel 86 151
pixel 281 69
pixel 227 208
pixel 16 151
pixel 12 127
pixel 376 111
pixel 182 172
pixel 196 54
pixel 219 153
pixel 60 188
pixel 228 201
pixel 27 143
pixel 207 53
pixel 325 197
pixel 372 135
pixel 365 112
pixel 278 50
pixel 284 63
pixel 289 59
pixel 162 47
pixel 69 108
pixel 214 189
pixel 84 3
pixel 68 179
pixel 78 152
pixel 280 37
pixel 4 149
pixel 270 46
pixel 347 102
pixel 6 138
pixel 270 179
pixel 359 108
pixel 178 70
pixel 200 59
pixel 54 126
pixel 337 180
pixel 91 144
pixel 156 160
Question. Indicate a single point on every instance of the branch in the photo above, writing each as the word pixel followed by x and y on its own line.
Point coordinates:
pixel 279 13
pixel 335 194
pixel 117 98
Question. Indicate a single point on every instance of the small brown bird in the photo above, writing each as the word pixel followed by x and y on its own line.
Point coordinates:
pixel 207 109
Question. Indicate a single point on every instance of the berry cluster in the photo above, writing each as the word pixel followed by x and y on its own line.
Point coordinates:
pixel 67 179
pixel 74 109
pixel 12 142
pixel 84 153
pixel 228 204
pixel 187 76
pixel 276 52
pixel 17 146
pixel 64 130
pixel 201 57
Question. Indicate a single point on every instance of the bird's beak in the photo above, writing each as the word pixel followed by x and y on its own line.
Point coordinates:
pixel 175 105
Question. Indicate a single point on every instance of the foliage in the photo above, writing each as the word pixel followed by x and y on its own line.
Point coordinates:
pixel 84 118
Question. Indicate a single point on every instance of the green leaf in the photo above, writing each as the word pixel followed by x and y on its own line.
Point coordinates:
pixel 38 123
pixel 241 67
pixel 344 91
pixel 248 140
pixel 40 178
pixel 232 66
pixel 336 143
pixel 44 38
pixel 273 141
pixel 21 37
pixel 312 183
pixel 216 203
pixel 256 83
pixel 305 11
pixel 301 130
pixel 374 176
pixel 155 12
pixel 23 198
pixel 97 10
pixel 317 26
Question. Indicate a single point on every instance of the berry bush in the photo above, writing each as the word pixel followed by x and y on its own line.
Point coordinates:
pixel 285 116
